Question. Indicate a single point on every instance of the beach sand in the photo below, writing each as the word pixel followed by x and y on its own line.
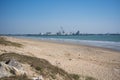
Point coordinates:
pixel 100 63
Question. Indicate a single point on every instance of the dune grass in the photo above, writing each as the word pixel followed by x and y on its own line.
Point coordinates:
pixel 22 77
pixel 5 42
pixel 42 66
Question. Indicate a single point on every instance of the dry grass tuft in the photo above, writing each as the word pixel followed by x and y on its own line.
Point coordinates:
pixel 22 77
pixel 5 42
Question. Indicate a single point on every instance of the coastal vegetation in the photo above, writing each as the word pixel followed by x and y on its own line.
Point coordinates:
pixel 22 77
pixel 4 41
pixel 42 67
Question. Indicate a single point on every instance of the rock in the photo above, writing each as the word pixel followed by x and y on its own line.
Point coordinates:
pixel 4 70
pixel 14 63
pixel 16 67
pixel 11 68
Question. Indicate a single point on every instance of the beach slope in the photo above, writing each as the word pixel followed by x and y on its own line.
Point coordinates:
pixel 102 64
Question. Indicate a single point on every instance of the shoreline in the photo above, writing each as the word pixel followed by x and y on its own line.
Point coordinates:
pixel 100 63
pixel 66 43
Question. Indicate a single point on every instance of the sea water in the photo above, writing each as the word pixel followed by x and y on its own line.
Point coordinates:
pixel 105 41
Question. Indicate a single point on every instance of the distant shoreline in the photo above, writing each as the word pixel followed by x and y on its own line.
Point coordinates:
pixel 100 44
pixel 45 34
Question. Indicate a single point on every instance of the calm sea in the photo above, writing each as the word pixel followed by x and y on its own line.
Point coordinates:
pixel 105 41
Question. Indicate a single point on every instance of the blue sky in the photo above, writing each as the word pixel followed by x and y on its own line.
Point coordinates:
pixel 35 16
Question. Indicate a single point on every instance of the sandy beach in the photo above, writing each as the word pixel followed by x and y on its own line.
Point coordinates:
pixel 100 63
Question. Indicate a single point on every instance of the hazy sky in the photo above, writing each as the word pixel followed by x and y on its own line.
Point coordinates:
pixel 34 16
